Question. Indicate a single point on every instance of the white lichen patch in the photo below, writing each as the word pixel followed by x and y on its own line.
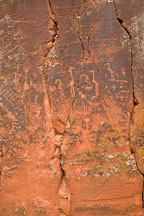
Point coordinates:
pixel 137 29
pixel 124 41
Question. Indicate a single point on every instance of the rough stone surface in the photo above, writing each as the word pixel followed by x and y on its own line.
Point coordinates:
pixel 72 110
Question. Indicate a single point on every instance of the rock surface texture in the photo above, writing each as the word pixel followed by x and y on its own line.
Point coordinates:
pixel 72 107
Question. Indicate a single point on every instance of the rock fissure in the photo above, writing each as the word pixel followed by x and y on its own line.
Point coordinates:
pixel 63 190
pixel 88 45
pixel 121 21
pixel 135 101
pixel 78 32
pixel 52 27
pixel 80 41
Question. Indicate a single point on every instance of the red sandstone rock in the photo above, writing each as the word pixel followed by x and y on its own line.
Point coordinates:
pixel 71 107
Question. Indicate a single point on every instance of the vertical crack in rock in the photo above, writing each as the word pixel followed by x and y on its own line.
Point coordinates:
pixel 52 27
pixel 135 101
pixel 88 46
pixel 80 41
pixel 78 32
pixel 63 191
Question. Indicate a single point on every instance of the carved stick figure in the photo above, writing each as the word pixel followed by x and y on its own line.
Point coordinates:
pixel 112 72
pixel 60 86
pixel 26 86
pixel 95 83
pixel 71 84
pixel 123 72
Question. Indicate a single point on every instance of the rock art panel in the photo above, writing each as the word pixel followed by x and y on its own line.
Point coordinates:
pixel 71 107
pixel 30 173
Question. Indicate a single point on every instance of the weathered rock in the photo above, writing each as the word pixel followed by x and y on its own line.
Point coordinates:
pixel 71 107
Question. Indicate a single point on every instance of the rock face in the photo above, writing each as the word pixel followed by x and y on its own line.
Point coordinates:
pixel 72 110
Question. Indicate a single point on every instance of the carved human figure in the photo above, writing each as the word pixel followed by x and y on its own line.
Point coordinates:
pixel 60 87
pixel 26 70
pixel 95 83
pixel 71 84
pixel 112 72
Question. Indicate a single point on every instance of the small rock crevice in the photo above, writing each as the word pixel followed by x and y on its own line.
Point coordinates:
pixel 135 101
pixel 85 49
pixel 52 27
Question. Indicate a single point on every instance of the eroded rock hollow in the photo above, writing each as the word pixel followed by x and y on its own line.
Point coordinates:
pixel 72 107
